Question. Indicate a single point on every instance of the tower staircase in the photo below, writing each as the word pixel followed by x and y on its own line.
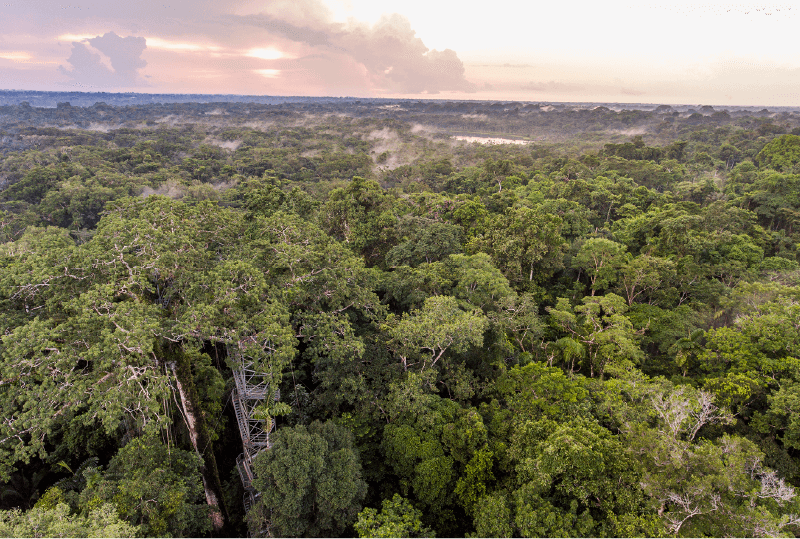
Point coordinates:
pixel 252 388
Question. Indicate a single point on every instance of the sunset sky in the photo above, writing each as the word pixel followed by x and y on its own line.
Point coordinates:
pixel 675 52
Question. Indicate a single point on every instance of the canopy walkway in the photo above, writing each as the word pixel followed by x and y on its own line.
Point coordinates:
pixel 252 388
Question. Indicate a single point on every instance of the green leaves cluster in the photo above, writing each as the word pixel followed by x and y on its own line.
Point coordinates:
pixel 58 522
pixel 154 486
pixel 397 518
pixel 309 482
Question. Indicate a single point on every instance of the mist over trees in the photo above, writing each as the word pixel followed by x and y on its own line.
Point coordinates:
pixel 587 329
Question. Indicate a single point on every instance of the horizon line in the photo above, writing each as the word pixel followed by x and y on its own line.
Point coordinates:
pixel 423 97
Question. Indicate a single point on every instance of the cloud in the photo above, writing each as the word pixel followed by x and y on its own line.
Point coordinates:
pixel 395 59
pixel 124 61
pixel 158 43
pixel 288 30
pixel 313 53
pixel 398 60
pixel 265 54
pixel 15 56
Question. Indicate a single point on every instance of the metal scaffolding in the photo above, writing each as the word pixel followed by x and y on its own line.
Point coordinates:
pixel 252 388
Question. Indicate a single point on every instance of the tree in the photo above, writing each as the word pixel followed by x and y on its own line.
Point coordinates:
pixel 153 486
pixel 601 259
pixel 775 198
pixel 535 392
pixel 601 326
pixel 763 341
pixel 702 483
pixel 57 521
pixel 472 216
pixel 781 153
pixel 478 281
pixel 644 274
pixel 426 241
pixel 782 418
pixel 471 278
pixel 309 482
pixel 570 478
pixel 328 295
pixel 423 336
pixel 358 215
pixel 717 488
pixel 524 243
pixel 427 442
pixel 397 518
pixel 518 321
pixel 104 332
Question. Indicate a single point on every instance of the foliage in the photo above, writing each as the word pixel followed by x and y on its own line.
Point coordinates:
pixel 310 481
pixel 591 334
pixel 781 153
pixel 397 518
pixel 58 522
pixel 428 441
pixel 423 336
pixel 601 327
pixel 153 486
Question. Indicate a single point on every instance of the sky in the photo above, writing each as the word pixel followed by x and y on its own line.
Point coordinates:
pixel 672 52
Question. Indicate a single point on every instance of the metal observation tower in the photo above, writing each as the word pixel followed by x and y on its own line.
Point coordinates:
pixel 252 388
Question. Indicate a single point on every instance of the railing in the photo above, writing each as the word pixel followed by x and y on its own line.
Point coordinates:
pixel 252 388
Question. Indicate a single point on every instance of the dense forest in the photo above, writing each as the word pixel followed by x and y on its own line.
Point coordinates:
pixel 589 329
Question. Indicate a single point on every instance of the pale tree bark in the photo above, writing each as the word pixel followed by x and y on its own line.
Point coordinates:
pixel 178 363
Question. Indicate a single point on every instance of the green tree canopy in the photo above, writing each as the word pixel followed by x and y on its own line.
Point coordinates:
pixel 397 518
pixel 781 153
pixel 309 482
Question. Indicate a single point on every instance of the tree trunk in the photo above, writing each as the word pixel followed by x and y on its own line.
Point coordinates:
pixel 177 361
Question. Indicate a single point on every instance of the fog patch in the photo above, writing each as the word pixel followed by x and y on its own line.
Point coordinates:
pixel 386 141
pixel 231 145
pixel 383 140
pixel 224 186
pixel 195 191
pixel 428 132
pixel 399 152
pixel 259 126
pixel 421 129
pixel 382 134
pixel 171 120
pixel 170 188
pixel 490 140
pixel 632 131
pixel 395 160
pixel 101 128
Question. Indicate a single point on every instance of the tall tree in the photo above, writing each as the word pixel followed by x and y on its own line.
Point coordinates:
pixel 101 331
pixel 310 482
pixel 525 244
pixel 601 326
